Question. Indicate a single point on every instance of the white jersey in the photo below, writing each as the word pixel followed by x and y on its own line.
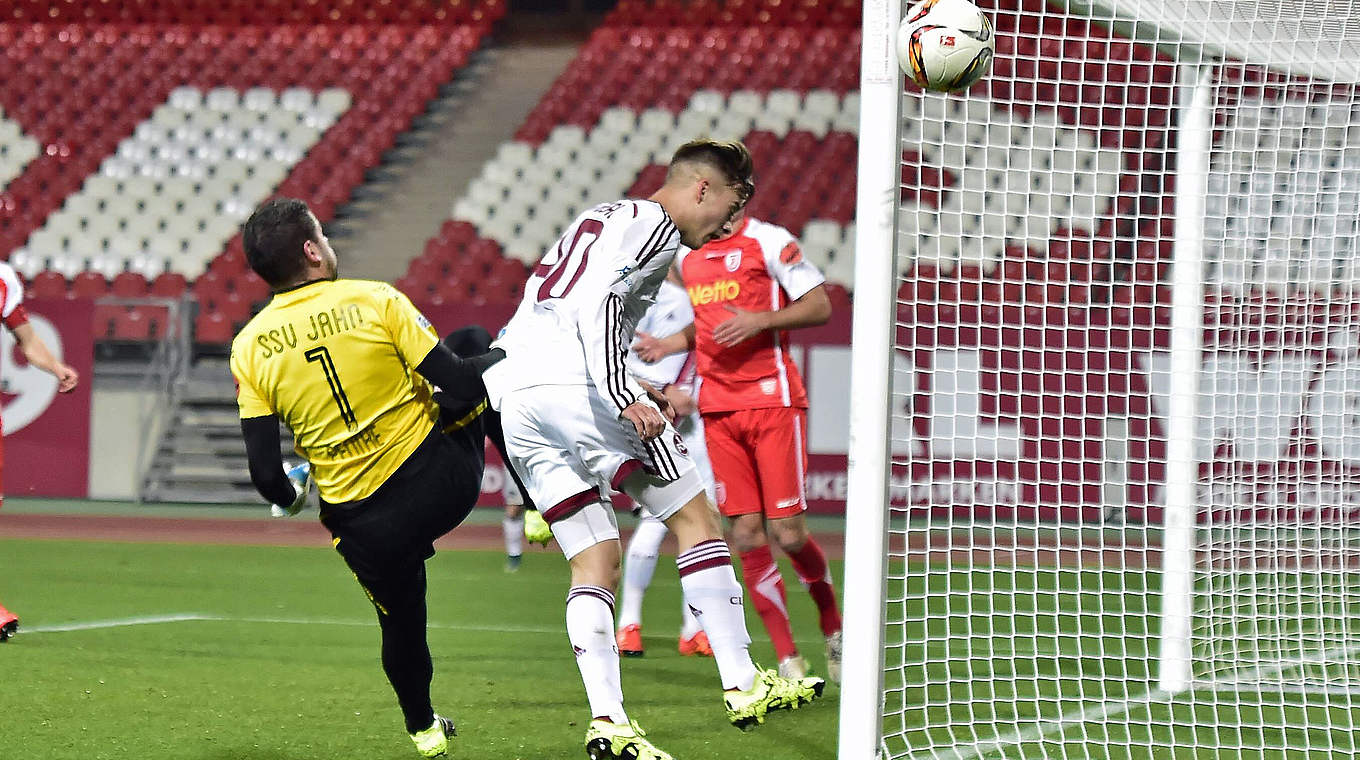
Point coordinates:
pixel 670 314
pixel 583 303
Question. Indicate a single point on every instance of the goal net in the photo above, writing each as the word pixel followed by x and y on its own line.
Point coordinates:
pixel 1107 422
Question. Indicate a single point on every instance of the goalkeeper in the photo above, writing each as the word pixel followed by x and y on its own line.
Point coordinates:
pixel 348 365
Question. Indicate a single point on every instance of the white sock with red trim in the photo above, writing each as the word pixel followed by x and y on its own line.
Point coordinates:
pixel 713 594
pixel 590 626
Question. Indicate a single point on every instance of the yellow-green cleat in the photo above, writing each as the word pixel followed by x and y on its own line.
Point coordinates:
pixel 536 530
pixel 771 691
pixel 434 741
pixel 613 741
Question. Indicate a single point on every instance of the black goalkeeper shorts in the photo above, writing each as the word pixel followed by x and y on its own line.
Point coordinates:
pixel 429 495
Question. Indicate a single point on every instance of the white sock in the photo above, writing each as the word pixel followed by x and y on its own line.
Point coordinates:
pixel 513 528
pixel 689 625
pixel 590 626
pixel 712 592
pixel 643 548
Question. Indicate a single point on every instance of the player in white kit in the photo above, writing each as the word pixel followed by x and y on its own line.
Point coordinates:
pixel 674 376
pixel 578 424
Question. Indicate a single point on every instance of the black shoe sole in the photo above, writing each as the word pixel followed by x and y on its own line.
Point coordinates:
pixel 599 749
pixel 8 629
pixel 630 653
pixel 749 724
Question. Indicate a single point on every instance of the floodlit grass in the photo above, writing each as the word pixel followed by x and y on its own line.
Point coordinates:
pixel 274 656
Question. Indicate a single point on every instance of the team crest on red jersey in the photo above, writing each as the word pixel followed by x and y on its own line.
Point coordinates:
pixel 791 254
pixel 733 260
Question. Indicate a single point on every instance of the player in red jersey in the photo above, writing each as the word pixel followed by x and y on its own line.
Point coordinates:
pixel 748 288
pixel 13 317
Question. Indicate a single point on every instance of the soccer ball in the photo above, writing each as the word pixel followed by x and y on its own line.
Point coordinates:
pixel 945 45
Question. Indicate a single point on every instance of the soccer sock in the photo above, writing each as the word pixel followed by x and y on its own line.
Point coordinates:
pixel 767 593
pixel 513 528
pixel 643 548
pixel 713 594
pixel 689 625
pixel 405 649
pixel 812 570
pixel 590 626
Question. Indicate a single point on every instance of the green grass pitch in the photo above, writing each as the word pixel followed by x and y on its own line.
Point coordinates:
pixel 275 657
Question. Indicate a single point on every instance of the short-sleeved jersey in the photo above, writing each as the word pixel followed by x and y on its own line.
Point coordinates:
pixel 583 302
pixel 760 268
pixel 669 315
pixel 335 361
pixel 12 312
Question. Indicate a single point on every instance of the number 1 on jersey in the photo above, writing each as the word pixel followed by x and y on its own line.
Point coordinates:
pixel 323 356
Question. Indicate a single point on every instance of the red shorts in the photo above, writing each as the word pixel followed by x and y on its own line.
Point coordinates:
pixel 759 458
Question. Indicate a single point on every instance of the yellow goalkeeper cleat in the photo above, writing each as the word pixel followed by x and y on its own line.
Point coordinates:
pixel 536 530
pixel 434 741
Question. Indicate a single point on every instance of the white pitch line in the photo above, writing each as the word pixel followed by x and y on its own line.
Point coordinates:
pixel 374 623
pixel 92 625
pixel 200 617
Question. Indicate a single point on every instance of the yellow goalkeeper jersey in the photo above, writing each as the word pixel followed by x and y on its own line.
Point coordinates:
pixel 335 361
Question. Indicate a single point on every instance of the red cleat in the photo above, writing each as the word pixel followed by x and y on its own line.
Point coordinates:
pixel 9 624
pixel 696 645
pixel 629 639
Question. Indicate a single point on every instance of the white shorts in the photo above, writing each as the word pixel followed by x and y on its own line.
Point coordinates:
pixel 571 448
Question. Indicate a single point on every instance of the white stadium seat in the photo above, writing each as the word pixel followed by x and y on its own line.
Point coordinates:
pixel 656 121
pixel 25 263
pixel 708 101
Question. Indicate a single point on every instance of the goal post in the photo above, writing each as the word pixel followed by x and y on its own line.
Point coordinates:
pixel 871 383
pixel 1104 489
pixel 1195 92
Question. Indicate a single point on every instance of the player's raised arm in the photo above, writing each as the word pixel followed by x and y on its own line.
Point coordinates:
pixel 798 278
pixel 417 342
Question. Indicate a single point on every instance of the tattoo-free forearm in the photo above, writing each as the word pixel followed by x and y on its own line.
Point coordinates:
pixel 813 309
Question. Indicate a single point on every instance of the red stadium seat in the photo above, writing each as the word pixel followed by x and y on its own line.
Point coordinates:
pixel 89 285
pixel 251 287
pixel 128 285
pixel 131 325
pixel 47 285
pixel 213 327
pixel 105 319
pixel 168 285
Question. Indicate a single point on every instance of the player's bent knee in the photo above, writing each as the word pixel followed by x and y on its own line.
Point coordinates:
pixel 598 565
pixel 694 522
pixel 790 533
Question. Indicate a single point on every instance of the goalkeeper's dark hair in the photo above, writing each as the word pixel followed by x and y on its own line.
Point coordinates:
pixel 727 156
pixel 274 236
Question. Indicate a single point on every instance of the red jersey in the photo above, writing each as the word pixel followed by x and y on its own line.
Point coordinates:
pixel 760 268
pixel 11 297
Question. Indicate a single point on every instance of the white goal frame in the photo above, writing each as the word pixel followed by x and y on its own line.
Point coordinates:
pixel 870 460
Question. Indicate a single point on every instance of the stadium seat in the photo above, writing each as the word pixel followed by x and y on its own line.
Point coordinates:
pixel 145 102
pixel 168 285
pixel 89 285
pixel 47 285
